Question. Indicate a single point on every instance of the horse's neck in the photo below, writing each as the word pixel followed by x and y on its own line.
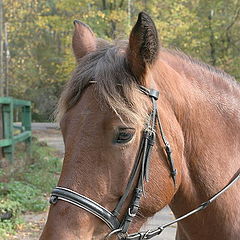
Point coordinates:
pixel 210 123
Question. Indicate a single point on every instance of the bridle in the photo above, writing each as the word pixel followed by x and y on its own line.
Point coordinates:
pixel 139 174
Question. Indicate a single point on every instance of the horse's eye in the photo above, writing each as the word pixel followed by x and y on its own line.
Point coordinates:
pixel 124 135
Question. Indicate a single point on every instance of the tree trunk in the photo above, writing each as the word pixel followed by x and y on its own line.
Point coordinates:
pixel 212 41
pixel 1 51
pixel 1 133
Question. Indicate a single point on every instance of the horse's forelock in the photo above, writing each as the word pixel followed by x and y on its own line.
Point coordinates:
pixel 115 84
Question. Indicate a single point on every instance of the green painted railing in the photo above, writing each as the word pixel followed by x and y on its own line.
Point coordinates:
pixel 9 138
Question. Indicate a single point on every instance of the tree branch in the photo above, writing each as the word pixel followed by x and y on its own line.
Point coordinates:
pixel 236 15
pixel 104 5
pixel 228 38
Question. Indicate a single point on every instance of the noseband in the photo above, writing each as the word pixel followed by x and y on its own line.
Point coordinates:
pixel 139 174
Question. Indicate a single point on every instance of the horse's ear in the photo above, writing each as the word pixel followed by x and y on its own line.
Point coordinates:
pixel 143 46
pixel 83 40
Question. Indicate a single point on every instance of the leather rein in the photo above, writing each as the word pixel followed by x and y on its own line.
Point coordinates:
pixel 139 174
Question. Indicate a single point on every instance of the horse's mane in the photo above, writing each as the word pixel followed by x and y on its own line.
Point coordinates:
pixel 186 57
pixel 116 85
pixel 205 73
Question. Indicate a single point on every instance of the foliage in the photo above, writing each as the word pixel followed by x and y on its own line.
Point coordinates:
pixel 40 37
pixel 27 195
pixel 27 187
pixel 7 226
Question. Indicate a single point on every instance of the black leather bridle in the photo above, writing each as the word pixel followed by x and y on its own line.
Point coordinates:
pixel 139 174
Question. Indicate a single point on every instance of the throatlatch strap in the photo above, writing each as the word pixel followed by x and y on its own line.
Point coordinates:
pixel 154 94
pixel 168 151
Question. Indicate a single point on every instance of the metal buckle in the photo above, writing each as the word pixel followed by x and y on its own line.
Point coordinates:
pixel 53 199
pixel 116 231
pixel 144 236
pixel 153 93
pixel 130 213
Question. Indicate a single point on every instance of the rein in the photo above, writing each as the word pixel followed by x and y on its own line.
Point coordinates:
pixel 139 173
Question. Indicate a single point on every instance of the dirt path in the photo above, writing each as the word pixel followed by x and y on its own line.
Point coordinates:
pixel 33 227
pixel 50 134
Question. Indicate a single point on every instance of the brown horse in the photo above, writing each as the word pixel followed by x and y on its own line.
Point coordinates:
pixel 102 125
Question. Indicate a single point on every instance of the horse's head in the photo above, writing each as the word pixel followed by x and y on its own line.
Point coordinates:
pixel 103 115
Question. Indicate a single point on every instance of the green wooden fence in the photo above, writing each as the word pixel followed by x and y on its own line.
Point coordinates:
pixel 9 140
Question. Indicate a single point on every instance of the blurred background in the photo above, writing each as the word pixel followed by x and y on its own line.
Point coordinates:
pixel 36 57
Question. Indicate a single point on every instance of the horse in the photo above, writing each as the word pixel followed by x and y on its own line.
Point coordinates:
pixel 111 117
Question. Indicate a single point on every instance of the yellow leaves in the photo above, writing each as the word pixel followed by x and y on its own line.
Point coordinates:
pixel 101 14
pixel 117 15
pixel 70 5
pixel 41 22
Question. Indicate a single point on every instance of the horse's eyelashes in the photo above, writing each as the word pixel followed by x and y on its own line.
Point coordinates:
pixel 124 135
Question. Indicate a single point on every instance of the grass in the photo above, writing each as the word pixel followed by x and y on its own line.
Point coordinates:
pixel 25 188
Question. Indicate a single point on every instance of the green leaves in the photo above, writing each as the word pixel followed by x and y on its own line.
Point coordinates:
pixel 26 195
pixel 26 191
